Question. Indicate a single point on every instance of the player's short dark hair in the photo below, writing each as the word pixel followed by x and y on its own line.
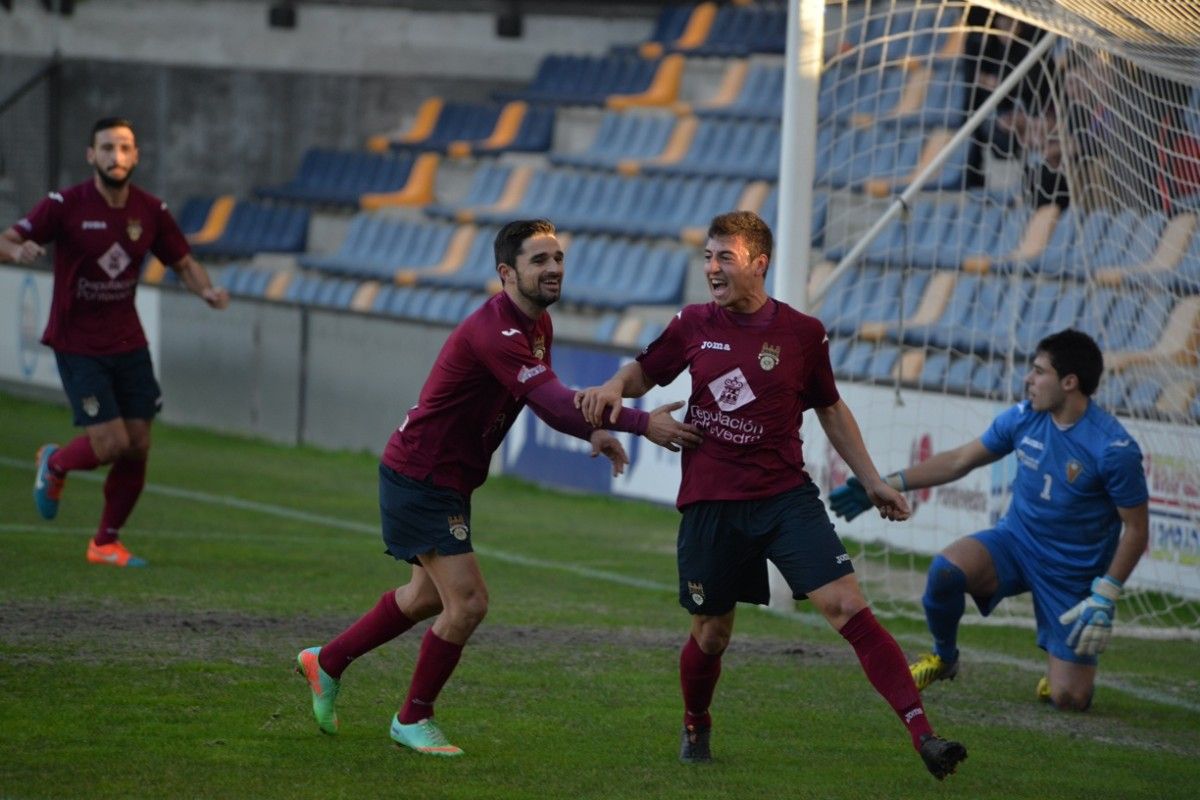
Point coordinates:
pixel 1073 352
pixel 104 123
pixel 510 238
pixel 750 226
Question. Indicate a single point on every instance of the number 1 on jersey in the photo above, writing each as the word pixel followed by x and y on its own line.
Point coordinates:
pixel 1046 486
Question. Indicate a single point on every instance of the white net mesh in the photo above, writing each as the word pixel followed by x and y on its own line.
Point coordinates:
pixel 1072 204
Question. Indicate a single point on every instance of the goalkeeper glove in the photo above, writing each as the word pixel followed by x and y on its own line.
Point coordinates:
pixel 850 499
pixel 1093 618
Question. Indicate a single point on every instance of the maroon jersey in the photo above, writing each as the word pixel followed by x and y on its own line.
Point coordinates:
pixel 98 255
pixel 473 394
pixel 753 376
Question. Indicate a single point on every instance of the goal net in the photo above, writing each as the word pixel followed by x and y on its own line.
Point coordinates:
pixel 990 173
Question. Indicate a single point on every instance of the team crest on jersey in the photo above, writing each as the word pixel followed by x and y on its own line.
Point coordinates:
pixel 696 590
pixel 91 406
pixel 768 357
pixel 539 348
pixel 458 527
pixel 134 229
pixel 1073 470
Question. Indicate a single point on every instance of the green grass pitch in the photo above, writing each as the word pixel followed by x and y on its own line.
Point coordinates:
pixel 175 681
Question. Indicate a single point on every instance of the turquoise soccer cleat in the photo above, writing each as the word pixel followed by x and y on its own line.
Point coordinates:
pixel 324 689
pixel 47 487
pixel 424 737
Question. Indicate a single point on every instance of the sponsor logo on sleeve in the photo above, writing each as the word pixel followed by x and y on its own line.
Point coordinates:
pixel 526 373
pixel 56 197
pixel 510 332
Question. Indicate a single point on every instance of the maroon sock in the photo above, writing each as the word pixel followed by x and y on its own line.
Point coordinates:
pixel 698 674
pixel 122 488
pixel 883 661
pixel 378 626
pixel 436 662
pixel 75 454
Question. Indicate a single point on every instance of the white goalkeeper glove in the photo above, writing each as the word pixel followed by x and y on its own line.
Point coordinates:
pixel 1093 618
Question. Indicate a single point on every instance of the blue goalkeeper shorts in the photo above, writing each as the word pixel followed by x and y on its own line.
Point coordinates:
pixel 1020 569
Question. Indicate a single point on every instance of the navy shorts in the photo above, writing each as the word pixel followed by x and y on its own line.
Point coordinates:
pixel 724 546
pixel 103 388
pixel 418 517
pixel 1017 569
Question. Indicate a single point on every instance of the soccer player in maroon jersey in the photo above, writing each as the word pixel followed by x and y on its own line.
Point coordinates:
pixel 756 366
pixel 493 364
pixel 102 230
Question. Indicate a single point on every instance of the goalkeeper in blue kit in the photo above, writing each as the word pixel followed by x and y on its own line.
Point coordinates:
pixel 1079 482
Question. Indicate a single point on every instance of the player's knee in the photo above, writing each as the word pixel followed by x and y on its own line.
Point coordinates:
pixel 471 610
pixel 713 639
pixel 1068 699
pixel 944 580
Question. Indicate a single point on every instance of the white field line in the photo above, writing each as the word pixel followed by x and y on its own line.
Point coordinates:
pixel 984 656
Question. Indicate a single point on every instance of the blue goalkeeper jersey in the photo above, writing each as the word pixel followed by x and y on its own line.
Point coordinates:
pixel 1069 484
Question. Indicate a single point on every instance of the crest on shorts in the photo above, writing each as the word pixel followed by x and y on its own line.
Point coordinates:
pixel 1073 470
pixel 539 348
pixel 91 406
pixel 768 357
pixel 458 527
pixel 696 590
pixel 134 229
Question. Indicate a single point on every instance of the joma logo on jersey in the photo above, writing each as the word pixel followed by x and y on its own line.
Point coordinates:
pixel 714 346
pixel 94 225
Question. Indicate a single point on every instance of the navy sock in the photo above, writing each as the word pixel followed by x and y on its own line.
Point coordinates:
pixel 944 601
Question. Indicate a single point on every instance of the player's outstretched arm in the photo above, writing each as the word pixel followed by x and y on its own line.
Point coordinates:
pixel 844 434
pixel 851 498
pixel 629 381
pixel 196 279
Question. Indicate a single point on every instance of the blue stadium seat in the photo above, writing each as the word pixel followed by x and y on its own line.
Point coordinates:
pixel 340 178
pixel 376 247
pixel 622 136
pixel 585 80
pixel 259 228
pixel 761 96
pixel 728 148
pixel 487 185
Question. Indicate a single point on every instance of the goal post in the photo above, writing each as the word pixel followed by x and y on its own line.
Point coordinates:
pixel 993 172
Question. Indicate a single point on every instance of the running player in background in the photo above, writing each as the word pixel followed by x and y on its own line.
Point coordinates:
pixel 102 230
pixel 1079 481
pixel 494 363
pixel 756 366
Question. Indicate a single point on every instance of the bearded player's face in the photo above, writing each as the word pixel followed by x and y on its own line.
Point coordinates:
pixel 114 155
pixel 539 269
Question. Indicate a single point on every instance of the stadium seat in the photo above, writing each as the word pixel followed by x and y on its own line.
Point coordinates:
pixel 341 178
pixel 760 96
pixel 377 247
pixel 258 228
pixel 622 136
